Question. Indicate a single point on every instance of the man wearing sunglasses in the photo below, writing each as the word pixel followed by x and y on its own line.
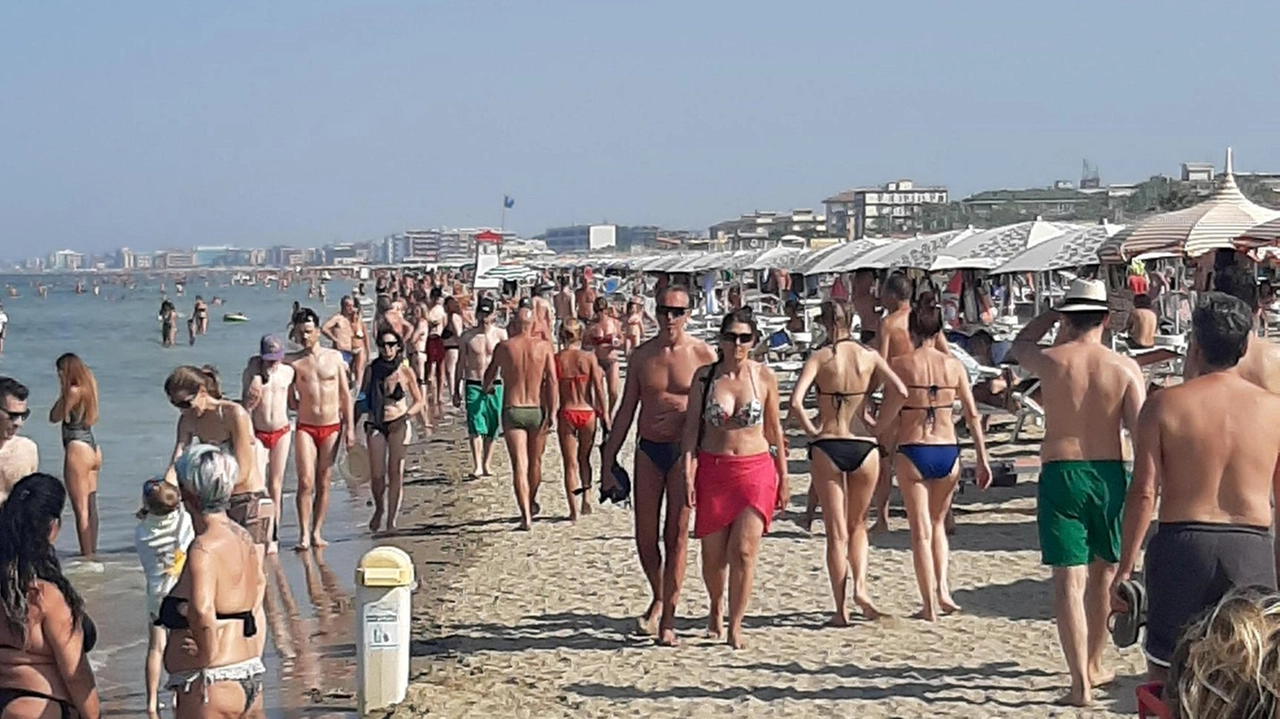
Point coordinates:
pixel 660 374
pixel 18 455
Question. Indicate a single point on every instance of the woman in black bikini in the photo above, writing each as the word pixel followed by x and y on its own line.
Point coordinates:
pixel 77 409
pixel 844 457
pixel 581 403
pixel 214 649
pixel 604 334
pixel 920 424
pixel 451 335
pixel 45 635
pixel 393 396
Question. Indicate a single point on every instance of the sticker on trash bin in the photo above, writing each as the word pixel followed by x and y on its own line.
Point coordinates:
pixel 380 628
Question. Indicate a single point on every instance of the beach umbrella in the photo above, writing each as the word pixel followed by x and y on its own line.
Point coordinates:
pixel 779 258
pixel 1211 225
pixel 986 249
pixel 917 252
pixel 1263 236
pixel 514 273
pixel 825 261
pixel 1076 247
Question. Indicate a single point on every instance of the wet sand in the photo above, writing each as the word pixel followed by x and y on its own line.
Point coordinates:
pixel 541 624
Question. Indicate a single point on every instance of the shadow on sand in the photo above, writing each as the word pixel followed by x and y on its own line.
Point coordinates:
pixel 1023 599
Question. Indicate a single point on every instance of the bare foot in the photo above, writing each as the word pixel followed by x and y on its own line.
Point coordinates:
pixel 667 637
pixel 524 525
pixel 735 639
pixel 948 605
pixel 537 509
pixel 392 525
pixel 273 547
pixel 573 517
pixel 317 541
pixel 1101 677
pixel 837 620
pixel 880 527
pixel 868 609
pixel 586 507
pixel 1077 697
pixel 715 626
pixel 926 615
pixel 647 623
pixel 301 547
pixel 376 521
pixel 806 522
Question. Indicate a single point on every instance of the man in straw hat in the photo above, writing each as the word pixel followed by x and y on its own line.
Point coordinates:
pixel 1089 392
pixel 1209 447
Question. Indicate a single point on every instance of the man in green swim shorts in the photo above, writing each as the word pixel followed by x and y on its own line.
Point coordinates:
pixel 1089 393
pixel 477 346
pixel 526 363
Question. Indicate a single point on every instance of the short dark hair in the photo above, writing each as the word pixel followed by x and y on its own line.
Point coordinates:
pixel 674 288
pixel 898 287
pixel 925 320
pixel 305 315
pixel 10 387
pixel 1084 321
pixel 1142 301
pixel 1239 282
pixel 1221 325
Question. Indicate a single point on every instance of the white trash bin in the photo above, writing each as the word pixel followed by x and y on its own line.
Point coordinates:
pixel 384 588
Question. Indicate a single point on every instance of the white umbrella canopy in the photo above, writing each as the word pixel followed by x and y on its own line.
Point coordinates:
pixel 779 258
pixel 1211 225
pixel 1076 247
pixel 510 272
pixel 986 249
pixel 1265 235
pixel 916 253
pixel 830 259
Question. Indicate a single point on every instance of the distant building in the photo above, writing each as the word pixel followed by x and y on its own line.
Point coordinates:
pixel 66 260
pixel 124 259
pixel 1046 202
pixel 143 262
pixel 892 208
pixel 176 260
pixel 218 256
pixel 763 228
pixel 1197 172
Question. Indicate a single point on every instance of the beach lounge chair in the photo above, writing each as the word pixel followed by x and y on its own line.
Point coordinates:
pixel 1023 407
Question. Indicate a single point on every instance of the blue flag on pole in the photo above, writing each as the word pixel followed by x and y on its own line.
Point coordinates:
pixel 508 202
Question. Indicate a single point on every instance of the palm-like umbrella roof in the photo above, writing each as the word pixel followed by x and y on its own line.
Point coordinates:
pixel 1211 225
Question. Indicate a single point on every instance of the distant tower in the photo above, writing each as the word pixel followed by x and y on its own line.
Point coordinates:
pixel 1089 179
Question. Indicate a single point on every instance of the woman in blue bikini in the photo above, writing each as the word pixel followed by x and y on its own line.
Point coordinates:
pixel 928 458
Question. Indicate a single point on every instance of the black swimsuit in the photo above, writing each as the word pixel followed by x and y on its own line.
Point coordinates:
pixel 171 617
pixel 846 453
pixel 9 695
pixel 386 428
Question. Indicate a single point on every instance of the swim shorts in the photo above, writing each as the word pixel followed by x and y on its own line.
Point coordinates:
pixel 483 410
pixel 1079 509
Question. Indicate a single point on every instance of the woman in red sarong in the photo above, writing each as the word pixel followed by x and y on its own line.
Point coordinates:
pixel 735 452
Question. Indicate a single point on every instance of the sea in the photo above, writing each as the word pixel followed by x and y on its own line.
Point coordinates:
pixel 310 653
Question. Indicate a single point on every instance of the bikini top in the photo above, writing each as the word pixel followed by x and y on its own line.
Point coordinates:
pixel 171 617
pixel 396 394
pixel 582 377
pixel 87 628
pixel 931 410
pixel 747 415
pixel 838 398
pixel 446 333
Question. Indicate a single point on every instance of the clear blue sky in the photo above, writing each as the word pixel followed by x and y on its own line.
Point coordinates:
pixel 256 123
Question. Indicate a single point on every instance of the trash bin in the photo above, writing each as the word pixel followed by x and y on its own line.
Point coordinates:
pixel 384 587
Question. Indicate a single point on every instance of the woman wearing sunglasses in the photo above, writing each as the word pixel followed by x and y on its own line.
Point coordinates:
pixel 919 423
pixel 844 457
pixel 733 448
pixel 604 333
pixel 393 396
pixel 208 418
pixel 581 403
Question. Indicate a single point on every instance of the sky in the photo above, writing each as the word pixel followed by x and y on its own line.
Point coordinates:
pixel 168 125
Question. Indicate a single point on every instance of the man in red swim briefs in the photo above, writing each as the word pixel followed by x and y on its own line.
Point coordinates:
pixel 323 400
pixel 266 384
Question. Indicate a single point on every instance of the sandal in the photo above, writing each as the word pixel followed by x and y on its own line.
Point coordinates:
pixel 1124 625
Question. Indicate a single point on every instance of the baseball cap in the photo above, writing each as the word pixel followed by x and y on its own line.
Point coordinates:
pixel 270 349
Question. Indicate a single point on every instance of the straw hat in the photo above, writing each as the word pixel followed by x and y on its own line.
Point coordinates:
pixel 1086 296
pixel 356 464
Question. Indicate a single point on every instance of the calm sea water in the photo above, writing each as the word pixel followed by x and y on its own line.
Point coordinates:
pixel 116 333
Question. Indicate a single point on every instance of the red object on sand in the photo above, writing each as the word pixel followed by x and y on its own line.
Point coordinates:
pixel 1150 704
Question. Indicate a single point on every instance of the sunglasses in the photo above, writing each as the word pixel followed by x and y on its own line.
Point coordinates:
pixel 17 416
pixel 672 312
pixel 387 345
pixel 742 338
pixel 183 404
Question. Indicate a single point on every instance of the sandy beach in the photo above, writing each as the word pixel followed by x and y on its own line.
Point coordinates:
pixel 542 624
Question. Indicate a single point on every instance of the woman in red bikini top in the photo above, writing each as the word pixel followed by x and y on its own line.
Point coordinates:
pixel 582 395
pixel 605 335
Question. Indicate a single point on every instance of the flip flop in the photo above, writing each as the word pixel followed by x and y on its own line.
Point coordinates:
pixel 1125 625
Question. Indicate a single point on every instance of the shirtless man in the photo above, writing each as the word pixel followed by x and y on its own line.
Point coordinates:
pixel 18 455
pixel 584 299
pixel 434 371
pixel 346 331
pixel 543 312
pixel 1261 362
pixel 563 302
pixel 1089 393
pixel 483 408
pixel 322 398
pixel 1209 448
pixel 1142 323
pixel 867 306
pixel 894 341
pixel 265 386
pixel 530 394
pixel 662 370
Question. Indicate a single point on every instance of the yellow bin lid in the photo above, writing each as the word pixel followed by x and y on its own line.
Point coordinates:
pixel 385 567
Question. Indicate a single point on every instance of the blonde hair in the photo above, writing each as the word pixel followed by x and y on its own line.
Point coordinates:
pixel 1227 662
pixel 571 330
pixel 75 373
pixel 189 380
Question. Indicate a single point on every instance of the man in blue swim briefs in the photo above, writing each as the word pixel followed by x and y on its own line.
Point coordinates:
pixel 659 376
pixel 1089 393
pixel 347 333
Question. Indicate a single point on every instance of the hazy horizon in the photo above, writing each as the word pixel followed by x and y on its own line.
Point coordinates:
pixel 256 124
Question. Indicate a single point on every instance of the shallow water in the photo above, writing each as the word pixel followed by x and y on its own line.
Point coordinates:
pixel 117 335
